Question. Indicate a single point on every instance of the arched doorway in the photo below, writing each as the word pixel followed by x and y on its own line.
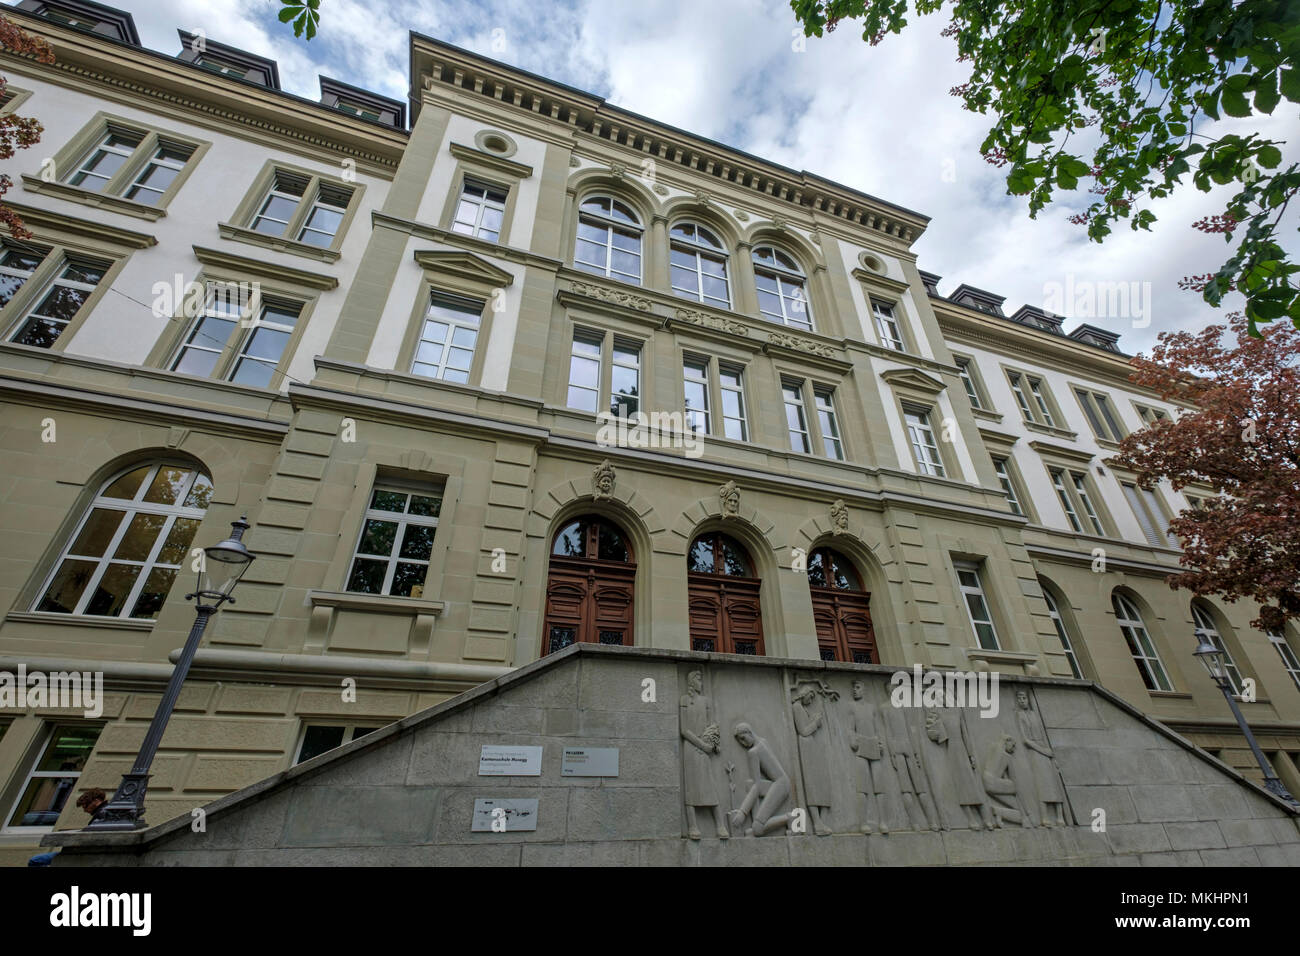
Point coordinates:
pixel 723 590
pixel 841 609
pixel 590 585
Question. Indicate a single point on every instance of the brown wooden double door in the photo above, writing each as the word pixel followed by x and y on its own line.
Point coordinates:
pixel 844 630
pixel 725 614
pixel 586 602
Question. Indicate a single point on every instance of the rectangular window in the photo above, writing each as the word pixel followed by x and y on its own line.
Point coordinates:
pixel 695 381
pixel 1036 389
pixel 321 738
pixel 1151 415
pixel 448 339
pixel 223 309
pixel 1288 654
pixel 887 327
pixel 1140 645
pixel 830 429
pixel 356 109
pixel 392 556
pixel 217 65
pixel 584 372
pixel 16 267
pixel 280 204
pixel 1031 395
pixel 733 402
pixel 1150 516
pixel 260 352
pixel 625 381
pixel 1204 629
pixel 796 422
pixel 963 370
pixel 1100 414
pixel 1017 389
pixel 113 151
pixel 54 775
pixel 1080 482
pixel 325 216
pixel 924 448
pixel 159 172
pixel 1002 469
pixel 45 322
pixel 480 211
pixel 1063 635
pixel 312 208
pixel 977 608
pixel 1058 482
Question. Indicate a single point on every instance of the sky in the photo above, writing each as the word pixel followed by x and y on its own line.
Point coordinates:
pixel 877 119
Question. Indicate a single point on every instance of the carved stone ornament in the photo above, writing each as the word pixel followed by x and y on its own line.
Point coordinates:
pixel 729 497
pixel 616 296
pixel 602 480
pixel 839 516
pixel 573 161
pixel 703 198
pixel 814 739
pixel 769 786
pixel 786 341
pixel 701 747
pixel 742 215
pixel 661 189
pixel 779 222
pixel 617 170
pixel 712 322
pixel 815 237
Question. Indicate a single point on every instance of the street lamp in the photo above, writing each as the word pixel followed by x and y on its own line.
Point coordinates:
pixel 1212 657
pixel 221 568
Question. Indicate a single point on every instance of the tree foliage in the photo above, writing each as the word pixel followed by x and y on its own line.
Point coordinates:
pixel 18 132
pixel 1241 437
pixel 304 14
pixel 1133 83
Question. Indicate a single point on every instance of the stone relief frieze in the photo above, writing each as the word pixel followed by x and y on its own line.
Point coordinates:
pixel 714 322
pixel 786 341
pixel 616 296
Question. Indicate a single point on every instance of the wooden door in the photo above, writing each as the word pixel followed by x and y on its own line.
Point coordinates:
pixel 725 614
pixel 844 630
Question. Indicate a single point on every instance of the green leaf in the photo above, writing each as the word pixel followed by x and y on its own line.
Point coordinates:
pixel 288 13
pixel 1269 156
pixel 1291 84
pixel 1267 96
pixel 1234 102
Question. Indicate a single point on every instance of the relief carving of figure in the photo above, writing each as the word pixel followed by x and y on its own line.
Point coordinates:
pixel 1002 783
pixel 729 496
pixel 839 517
pixel 815 750
pixel 946 729
pixel 702 743
pixel 602 480
pixel 912 780
pixel 867 741
pixel 769 786
pixel 1042 764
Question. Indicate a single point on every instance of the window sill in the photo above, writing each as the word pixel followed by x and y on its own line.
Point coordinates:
pixel 79 620
pixel 278 243
pixel 378 603
pixel 987 415
pixel 87 197
pixel 1107 444
pixel 1000 657
pixel 1169 694
pixel 1051 430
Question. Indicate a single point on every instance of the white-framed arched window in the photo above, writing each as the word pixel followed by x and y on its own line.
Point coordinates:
pixel 782 288
pixel 1140 644
pixel 698 265
pixel 1204 627
pixel 609 239
pixel 133 539
pixel 1063 633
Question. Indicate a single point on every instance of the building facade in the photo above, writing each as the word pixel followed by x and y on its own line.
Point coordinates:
pixel 520 370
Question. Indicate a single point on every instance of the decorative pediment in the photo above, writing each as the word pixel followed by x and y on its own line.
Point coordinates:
pixel 913 379
pixel 465 266
pixel 243 266
pixel 1064 452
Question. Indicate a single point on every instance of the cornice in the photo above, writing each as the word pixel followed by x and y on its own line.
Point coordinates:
pixel 914 379
pixel 464 265
pixel 440 68
pixel 1063 452
pixel 469 243
pixel 167 84
pixel 506 166
pixel 42 220
pixel 263 269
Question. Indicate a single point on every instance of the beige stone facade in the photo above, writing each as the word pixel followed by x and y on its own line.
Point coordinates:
pixel 355 398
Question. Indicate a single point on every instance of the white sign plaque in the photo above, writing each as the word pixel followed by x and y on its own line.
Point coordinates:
pixel 503 816
pixel 498 761
pixel 589 762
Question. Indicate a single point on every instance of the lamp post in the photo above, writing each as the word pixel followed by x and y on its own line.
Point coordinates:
pixel 1212 657
pixel 222 566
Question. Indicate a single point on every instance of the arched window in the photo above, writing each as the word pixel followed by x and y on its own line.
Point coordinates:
pixel 841 609
pixel 133 539
pixel 723 596
pixel 590 586
pixel 1204 627
pixel 1062 632
pixel 609 239
pixel 1140 644
pixel 698 265
pixel 782 288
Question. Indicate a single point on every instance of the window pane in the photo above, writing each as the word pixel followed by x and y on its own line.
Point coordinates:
pixel 178 541
pixel 167 485
pixel 113 588
pixel 319 740
pixel 154 593
pixel 367 576
pixel 408 576
pixel 65 590
pixel 378 537
pixel 140 536
pixel 97 532
pixel 127 486
pixel 425 505
pixel 417 542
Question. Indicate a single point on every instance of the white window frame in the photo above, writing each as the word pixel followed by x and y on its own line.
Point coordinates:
pixel 1080 482
pixel 350 733
pixel 967 380
pixel 1036 389
pixel 61 280
pixel 402 519
pixel 129 508
pixel 888 329
pixel 599 219
pixel 1140 644
pixel 737 388
pixel 104 146
pixel 1101 414
pixel 695 371
pixel 1001 468
pixel 463 308
pixel 339 207
pixel 925 450
pixel 791 289
pixel 1058 482
pixel 828 422
pixel 976 591
pixel 626 354
pixel 1203 626
pixel 1063 633
pixel 700 250
pixel 1289 659
pixel 138 184
pixel 480 204
pixel 281 182
pixel 792 398
pixel 22 275
pixel 585 347
pixel 49 732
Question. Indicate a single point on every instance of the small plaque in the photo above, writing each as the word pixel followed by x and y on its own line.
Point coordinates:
pixel 509 816
pixel 589 762
pixel 496 761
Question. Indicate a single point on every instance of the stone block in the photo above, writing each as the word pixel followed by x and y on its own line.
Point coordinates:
pixel 1238 856
pixel 361 816
pixel 1194 836
pixel 624 813
pixel 907 849
pixel 1137 838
